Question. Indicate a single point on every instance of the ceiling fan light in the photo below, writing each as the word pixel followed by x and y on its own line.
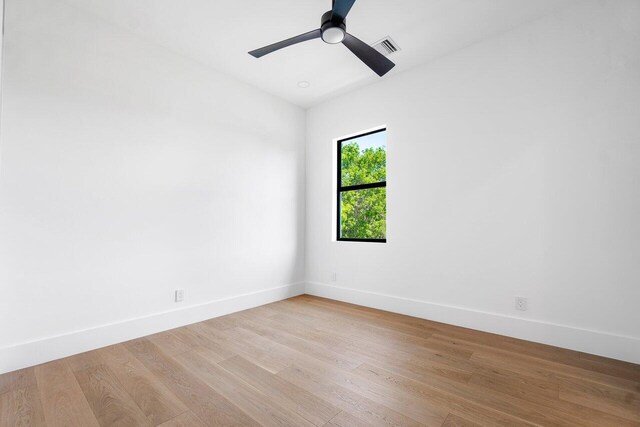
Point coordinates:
pixel 333 35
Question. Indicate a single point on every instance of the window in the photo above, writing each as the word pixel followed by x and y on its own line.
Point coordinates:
pixel 362 188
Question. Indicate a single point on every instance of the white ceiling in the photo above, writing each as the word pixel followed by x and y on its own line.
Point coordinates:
pixel 220 33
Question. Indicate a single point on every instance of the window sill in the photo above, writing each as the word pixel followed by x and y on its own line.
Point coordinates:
pixel 363 240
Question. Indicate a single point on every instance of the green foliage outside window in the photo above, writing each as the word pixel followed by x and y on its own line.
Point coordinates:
pixel 363 212
pixel 363 166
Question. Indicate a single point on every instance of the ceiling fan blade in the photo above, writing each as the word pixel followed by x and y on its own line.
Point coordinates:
pixel 340 9
pixel 284 43
pixel 374 59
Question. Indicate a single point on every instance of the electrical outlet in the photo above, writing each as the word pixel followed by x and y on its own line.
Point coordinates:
pixel 521 303
pixel 179 295
pixel 334 277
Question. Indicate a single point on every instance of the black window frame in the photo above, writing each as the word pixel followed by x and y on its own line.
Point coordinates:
pixel 340 189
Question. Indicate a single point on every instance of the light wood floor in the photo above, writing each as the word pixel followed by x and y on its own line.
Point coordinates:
pixel 310 361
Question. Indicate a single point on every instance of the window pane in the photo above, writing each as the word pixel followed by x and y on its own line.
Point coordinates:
pixel 363 160
pixel 363 214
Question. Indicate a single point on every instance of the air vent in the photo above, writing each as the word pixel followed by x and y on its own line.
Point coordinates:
pixel 386 46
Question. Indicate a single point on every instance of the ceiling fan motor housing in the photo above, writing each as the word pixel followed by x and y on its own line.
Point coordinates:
pixel 332 32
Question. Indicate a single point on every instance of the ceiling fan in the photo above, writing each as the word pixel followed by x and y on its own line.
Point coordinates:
pixel 333 30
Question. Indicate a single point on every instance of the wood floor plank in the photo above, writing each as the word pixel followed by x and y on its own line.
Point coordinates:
pixel 264 311
pixel 197 340
pixel 309 332
pixel 152 397
pixel 263 408
pixel 274 331
pixel 537 351
pixel 22 378
pixel 348 401
pixel 454 403
pixel 223 323
pixel 578 367
pixel 428 408
pixel 505 403
pixel 435 362
pixel 169 342
pixel 407 342
pixel 622 403
pixel 548 369
pixel 404 325
pixel 424 367
pixel 63 401
pixel 421 410
pixel 513 383
pixel 186 419
pixel 310 311
pixel 261 357
pixel 344 419
pixel 109 401
pixel 481 408
pixel 623 373
pixel 286 394
pixel 456 421
pixel 623 370
pixel 313 361
pixel 343 334
pixel 85 360
pixel 592 358
pixel 211 407
pixel 258 344
pixel 436 327
pixel 21 407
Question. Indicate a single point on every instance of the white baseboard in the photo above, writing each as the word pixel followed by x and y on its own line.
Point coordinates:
pixel 589 341
pixel 51 348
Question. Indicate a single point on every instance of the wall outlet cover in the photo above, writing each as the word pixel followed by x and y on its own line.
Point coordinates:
pixel 521 303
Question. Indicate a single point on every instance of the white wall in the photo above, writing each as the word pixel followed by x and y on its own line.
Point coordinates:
pixel 513 170
pixel 127 172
